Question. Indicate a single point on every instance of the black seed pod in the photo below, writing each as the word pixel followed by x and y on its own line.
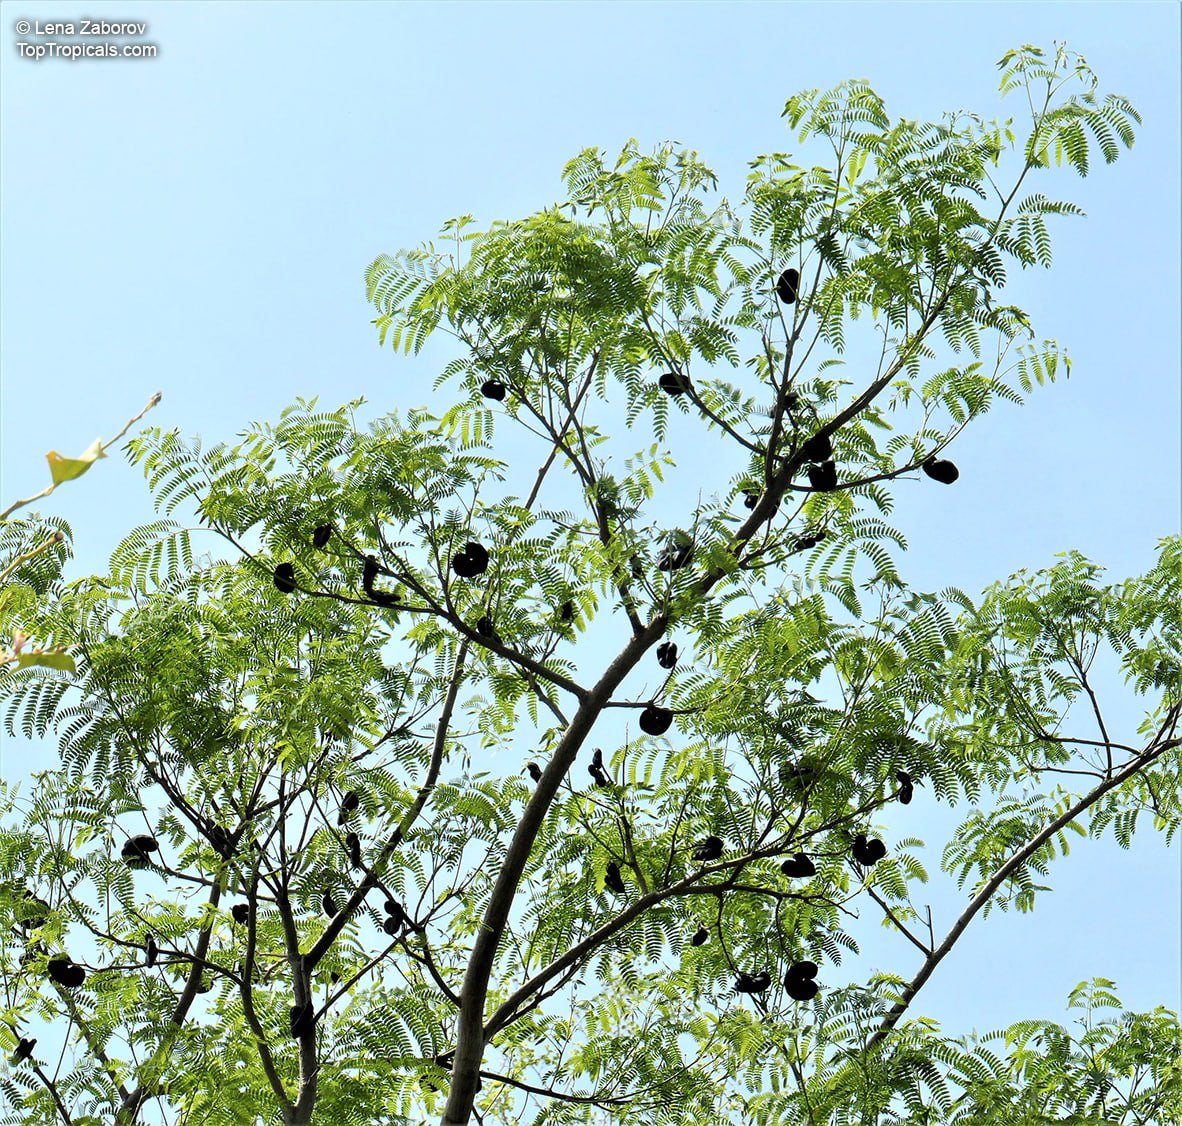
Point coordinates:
pixel 350 800
pixel 750 499
pixel 677 553
pixel 823 477
pixel 493 389
pixel 597 769
pixel 64 972
pixel 906 787
pixel 708 849
pixel 535 771
pixel 753 983
pixel 939 470
pixel 566 612
pixel 484 627
pixel 395 910
pixel 674 383
pixel 327 905
pixel 285 578
pixel 701 935
pixel 787 286
pixel 667 655
pixel 369 574
pixel 867 853
pixel 219 838
pixel 817 448
pixel 24 1050
pixel 470 562
pixel 655 720
pixel 805 543
pixel 391 926
pixel 240 912
pixel 301 1020
pixel 150 951
pixel 353 847
pixel 799 989
pixel 799 983
pixel 137 851
pixel 612 878
pixel 798 867
pixel 32 922
pixel 321 535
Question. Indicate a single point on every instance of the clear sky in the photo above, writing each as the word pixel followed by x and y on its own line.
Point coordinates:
pixel 200 222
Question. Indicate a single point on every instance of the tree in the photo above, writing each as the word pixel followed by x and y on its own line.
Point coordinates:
pixel 340 893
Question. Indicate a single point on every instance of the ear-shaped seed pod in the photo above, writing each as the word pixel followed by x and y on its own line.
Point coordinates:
pixel 32 922
pixel 800 990
pixel 677 553
pixel 817 448
pixel 667 655
pixel 939 470
pixel 798 867
pixel 353 847
pixel 302 1021
pixel 750 499
pixel 868 853
pixel 136 851
pixel 240 912
pixel 391 926
pixel 566 612
pixel 219 838
pixel 803 775
pixel 708 849
pixel 470 562
pixel 597 770
pixel 64 972
pixel 655 720
pixel 753 983
pixel 327 905
pixel 395 911
pixel 613 879
pixel 321 536
pixel 493 389
pixel 906 788
pixel 823 477
pixel 535 771
pixel 285 578
pixel 350 800
pixel 485 628
pixel 799 983
pixel 24 1050
pixel 151 951
pixel 787 286
pixel 701 935
pixel 369 574
pixel 674 383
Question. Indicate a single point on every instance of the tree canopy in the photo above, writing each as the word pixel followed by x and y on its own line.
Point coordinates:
pixel 452 789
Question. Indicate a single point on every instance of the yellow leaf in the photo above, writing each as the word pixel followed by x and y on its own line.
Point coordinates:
pixel 67 468
pixel 63 662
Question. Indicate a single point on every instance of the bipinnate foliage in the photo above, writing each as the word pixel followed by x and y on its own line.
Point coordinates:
pixel 362 908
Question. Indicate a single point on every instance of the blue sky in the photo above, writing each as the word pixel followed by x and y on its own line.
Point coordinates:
pixel 199 223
